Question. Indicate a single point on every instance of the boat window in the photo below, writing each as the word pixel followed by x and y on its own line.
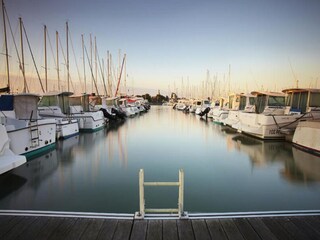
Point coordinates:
pixel 48 101
pixel 231 102
pixel 65 108
pixel 242 102
pixel 303 102
pixel 206 102
pixel 315 100
pixel 260 103
pixel 288 99
pixel 295 100
pixel 276 101
pixel 251 100
pixel 75 101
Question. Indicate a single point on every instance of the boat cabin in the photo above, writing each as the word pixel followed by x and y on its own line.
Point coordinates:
pixel 269 103
pixel 302 100
pixel 79 103
pixel 59 102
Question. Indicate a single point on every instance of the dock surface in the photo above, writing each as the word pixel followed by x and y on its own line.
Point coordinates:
pixel 43 227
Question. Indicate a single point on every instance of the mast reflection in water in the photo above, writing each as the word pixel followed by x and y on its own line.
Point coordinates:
pixel 224 171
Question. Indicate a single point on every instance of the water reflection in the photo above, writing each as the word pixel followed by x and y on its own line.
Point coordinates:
pixel 307 166
pixel 224 170
pixel 22 185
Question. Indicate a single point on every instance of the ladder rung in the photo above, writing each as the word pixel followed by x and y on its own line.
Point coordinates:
pixel 161 184
pixel 161 210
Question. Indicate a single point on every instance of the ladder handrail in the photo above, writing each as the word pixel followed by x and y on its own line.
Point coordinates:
pixel 142 184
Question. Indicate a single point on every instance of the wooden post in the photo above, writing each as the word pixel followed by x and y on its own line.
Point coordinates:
pixel 141 192
pixel 181 192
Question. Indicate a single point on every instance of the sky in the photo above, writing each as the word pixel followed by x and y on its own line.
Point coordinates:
pixel 184 46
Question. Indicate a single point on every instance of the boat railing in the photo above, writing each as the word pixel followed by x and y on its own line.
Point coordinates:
pixel 142 184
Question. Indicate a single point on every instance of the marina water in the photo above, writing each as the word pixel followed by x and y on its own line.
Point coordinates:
pixel 224 170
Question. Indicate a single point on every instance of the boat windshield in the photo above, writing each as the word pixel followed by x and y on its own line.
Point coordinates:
pixel 47 101
pixel 276 101
pixel 315 100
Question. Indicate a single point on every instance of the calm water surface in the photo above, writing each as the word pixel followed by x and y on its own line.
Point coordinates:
pixel 224 171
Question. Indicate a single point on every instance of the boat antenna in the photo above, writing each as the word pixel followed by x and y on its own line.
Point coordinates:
pixel 294 76
pixel 6 47
pixel 15 44
pixel 34 62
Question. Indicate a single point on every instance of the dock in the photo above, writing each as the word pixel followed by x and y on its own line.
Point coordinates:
pixel 247 227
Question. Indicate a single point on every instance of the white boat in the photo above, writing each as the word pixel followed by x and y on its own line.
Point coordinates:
pixel 89 121
pixel 138 104
pixel 111 105
pixel 272 118
pixel 181 105
pixel 237 103
pixel 204 104
pixel 56 105
pixel 219 111
pixel 28 133
pixel 123 103
pixel 307 136
pixel 194 105
pixel 268 117
pixel 8 160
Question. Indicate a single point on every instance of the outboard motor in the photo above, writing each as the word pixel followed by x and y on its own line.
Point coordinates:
pixel 108 115
pixel 204 112
pixel 118 113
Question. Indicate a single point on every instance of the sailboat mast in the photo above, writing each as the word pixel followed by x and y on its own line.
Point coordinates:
pixel 22 57
pixel 125 77
pixel 121 69
pixel 57 46
pixel 95 59
pixel 45 57
pixel 6 45
pixel 91 62
pixel 68 70
pixel 84 66
pixel 108 73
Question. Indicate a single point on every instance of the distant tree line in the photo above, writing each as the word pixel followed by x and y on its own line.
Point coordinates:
pixel 156 100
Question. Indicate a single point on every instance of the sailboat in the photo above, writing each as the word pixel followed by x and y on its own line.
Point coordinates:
pixel 90 120
pixel 28 133
pixel 55 105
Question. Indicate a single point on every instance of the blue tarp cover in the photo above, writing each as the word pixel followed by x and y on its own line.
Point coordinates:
pixel 6 102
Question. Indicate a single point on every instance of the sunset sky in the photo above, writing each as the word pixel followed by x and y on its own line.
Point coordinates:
pixel 173 43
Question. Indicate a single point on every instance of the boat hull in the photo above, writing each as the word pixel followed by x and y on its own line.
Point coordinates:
pixel 307 136
pixel 22 141
pixel 90 121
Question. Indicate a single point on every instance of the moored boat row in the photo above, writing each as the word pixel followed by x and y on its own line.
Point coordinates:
pixel 33 126
pixel 289 115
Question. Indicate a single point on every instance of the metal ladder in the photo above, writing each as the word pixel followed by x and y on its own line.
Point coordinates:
pixel 143 210
pixel 34 133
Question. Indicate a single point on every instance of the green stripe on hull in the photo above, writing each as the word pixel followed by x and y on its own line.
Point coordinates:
pixel 39 152
pixel 91 130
